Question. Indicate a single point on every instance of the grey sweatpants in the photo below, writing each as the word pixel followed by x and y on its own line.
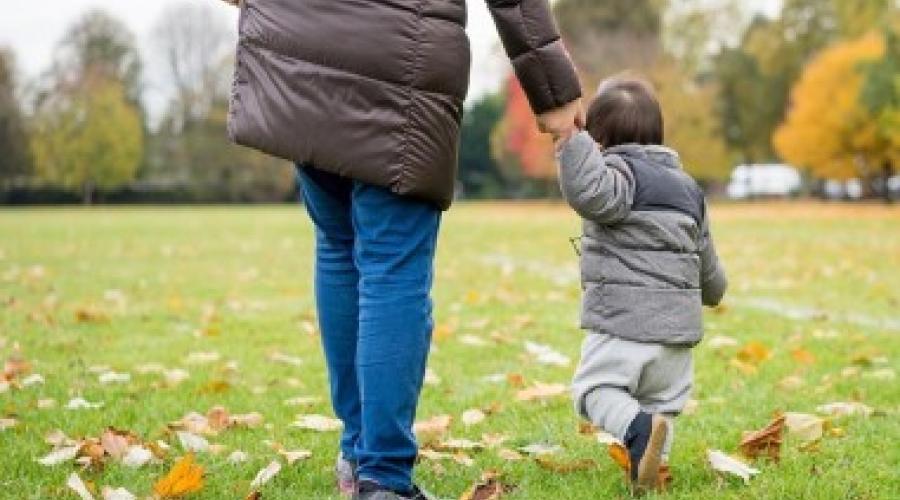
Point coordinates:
pixel 617 378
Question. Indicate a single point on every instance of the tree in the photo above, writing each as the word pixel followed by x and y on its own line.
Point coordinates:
pixel 191 147
pixel 88 136
pixel 691 125
pixel 827 129
pixel 517 143
pixel 881 97
pixel 15 155
pixel 99 45
pixel 478 172
pixel 610 36
pixel 196 46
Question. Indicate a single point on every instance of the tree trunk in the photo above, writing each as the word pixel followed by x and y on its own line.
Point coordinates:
pixel 87 193
pixel 887 171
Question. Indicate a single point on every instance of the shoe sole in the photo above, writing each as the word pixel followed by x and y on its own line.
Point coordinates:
pixel 648 468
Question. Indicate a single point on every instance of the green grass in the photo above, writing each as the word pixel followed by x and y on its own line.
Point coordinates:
pixel 503 269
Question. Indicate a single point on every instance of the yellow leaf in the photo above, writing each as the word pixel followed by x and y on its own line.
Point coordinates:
pixel 184 478
pixel 803 356
pixel 620 456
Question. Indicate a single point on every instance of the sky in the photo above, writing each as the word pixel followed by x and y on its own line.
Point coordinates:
pixel 33 27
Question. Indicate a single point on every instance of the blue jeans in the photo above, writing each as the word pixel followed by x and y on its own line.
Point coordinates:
pixel 374 271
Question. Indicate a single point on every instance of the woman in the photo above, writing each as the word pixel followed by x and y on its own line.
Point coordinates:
pixel 367 98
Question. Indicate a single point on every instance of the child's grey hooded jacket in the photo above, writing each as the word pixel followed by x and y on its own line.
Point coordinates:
pixel 647 257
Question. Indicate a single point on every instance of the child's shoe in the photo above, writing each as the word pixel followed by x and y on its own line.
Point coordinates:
pixel 645 440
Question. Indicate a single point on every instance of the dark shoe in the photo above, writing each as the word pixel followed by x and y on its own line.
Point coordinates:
pixel 370 490
pixel 644 440
pixel 345 473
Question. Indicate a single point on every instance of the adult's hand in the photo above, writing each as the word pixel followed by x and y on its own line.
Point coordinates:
pixel 563 122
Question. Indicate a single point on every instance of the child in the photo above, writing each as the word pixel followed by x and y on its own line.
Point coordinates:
pixel 647 264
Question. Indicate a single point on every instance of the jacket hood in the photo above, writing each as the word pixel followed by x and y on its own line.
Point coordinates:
pixel 652 153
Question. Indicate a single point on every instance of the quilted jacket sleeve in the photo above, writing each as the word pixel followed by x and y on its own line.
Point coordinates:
pixel 599 188
pixel 533 44
pixel 713 281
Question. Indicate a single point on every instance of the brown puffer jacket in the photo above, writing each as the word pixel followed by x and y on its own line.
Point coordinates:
pixel 373 89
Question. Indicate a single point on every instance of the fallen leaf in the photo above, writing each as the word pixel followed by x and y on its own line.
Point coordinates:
pixel 516 380
pixel 60 455
pixel 318 423
pixel 250 420
pixel 804 426
pixel 560 467
pixel 540 449
pixel 619 454
pixel 46 403
pixel 720 342
pixel 493 440
pixel 433 428
pixel 286 359
pixel 114 378
pixel 33 379
pixel 754 353
pixel 488 488
pixel 7 423
pixel 175 376
pixel 791 382
pixel 766 441
pixel 472 340
pixel 720 462
pixel 266 474
pixel 303 401
pixel 510 455
pixel 431 378
pixel 882 374
pixel 803 356
pixel 542 392
pixel 237 457
pixel 217 418
pixel 116 443
pixel 185 477
pixel 137 456
pixel 841 409
pixel 472 417
pixel 75 483
pixel 459 445
pixel 546 355
pixel 201 358
pixel 117 494
pixel 82 404
pixel 192 442
pixel 292 456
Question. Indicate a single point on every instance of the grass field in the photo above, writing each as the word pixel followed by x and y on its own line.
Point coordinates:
pixel 816 287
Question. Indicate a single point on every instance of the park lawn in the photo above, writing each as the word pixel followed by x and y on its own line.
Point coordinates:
pixel 818 286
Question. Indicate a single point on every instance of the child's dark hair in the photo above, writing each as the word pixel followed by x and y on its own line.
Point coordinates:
pixel 625 111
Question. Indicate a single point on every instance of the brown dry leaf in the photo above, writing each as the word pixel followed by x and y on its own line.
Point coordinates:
pixel 586 428
pixel 516 380
pixel 459 445
pixel 14 367
pixel 185 477
pixel 319 423
pixel 489 488
pixel 542 392
pixel 754 353
pixel 251 420
pixel 492 440
pixel 433 428
pixel 766 441
pixel 8 423
pixel 803 356
pixel 116 442
pixel 510 455
pixel 90 314
pixel 216 386
pixel 472 417
pixel 619 454
pixel 548 463
pixel 218 418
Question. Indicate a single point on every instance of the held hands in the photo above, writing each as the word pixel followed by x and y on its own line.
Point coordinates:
pixel 564 122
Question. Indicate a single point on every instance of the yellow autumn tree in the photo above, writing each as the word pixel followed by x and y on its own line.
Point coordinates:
pixel 87 136
pixel 827 129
